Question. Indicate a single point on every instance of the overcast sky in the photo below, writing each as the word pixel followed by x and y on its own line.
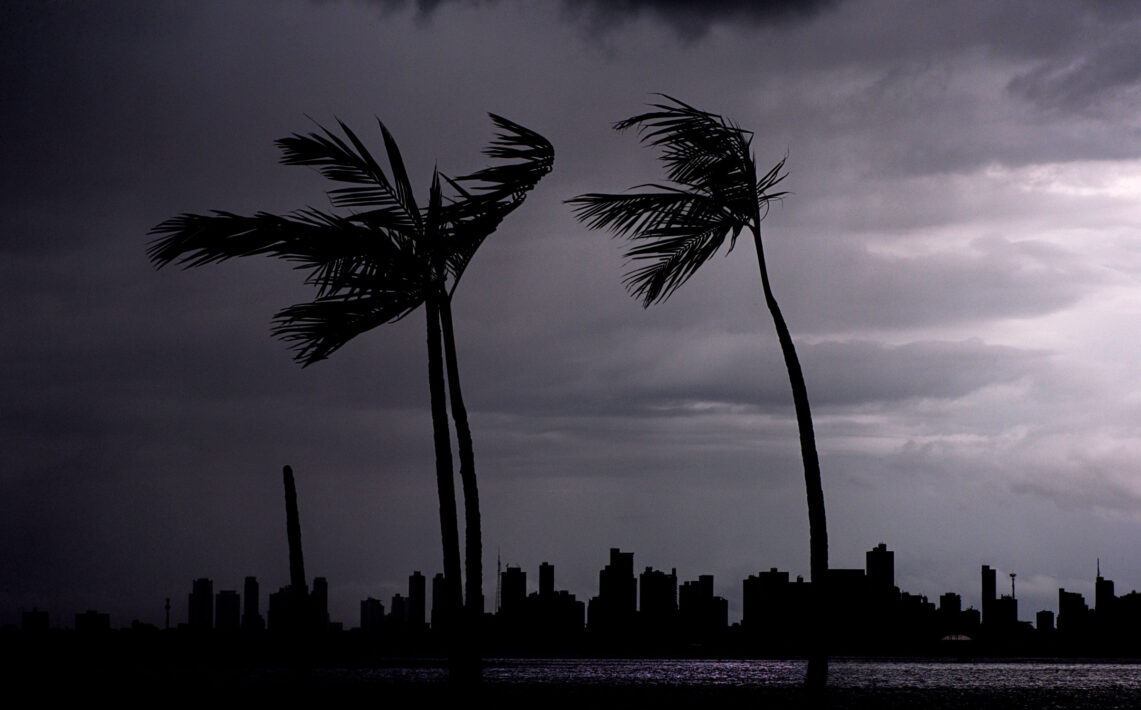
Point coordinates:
pixel 959 261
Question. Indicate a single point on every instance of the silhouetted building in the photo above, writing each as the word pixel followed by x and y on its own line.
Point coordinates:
pixel 439 602
pixel 700 612
pixel 879 562
pixel 398 614
pixel 614 607
pixel 657 605
pixel 1103 601
pixel 227 610
pixel 1073 614
pixel 552 614
pixel 546 580
pixel 416 601
pixel 289 611
pixel 372 615
pixel 773 610
pixel 988 594
pixel 1044 620
pixel 950 614
pixel 513 596
pixel 251 610
pixel 200 612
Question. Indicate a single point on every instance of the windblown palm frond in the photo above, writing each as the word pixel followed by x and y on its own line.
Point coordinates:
pixel 341 162
pixel 715 194
pixel 493 192
pixel 375 266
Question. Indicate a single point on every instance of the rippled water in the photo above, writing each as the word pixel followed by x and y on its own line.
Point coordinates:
pixel 767 673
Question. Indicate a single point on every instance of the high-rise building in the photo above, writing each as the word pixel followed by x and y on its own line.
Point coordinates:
pixel 1073 614
pixel 227 610
pixel 617 601
pixel 1103 599
pixel 546 580
pixel 879 563
pixel 657 592
pixel 398 614
pixel 372 615
pixel 513 594
pixel 988 594
pixel 439 602
pixel 201 605
pixel 416 601
pixel 251 613
pixel 699 610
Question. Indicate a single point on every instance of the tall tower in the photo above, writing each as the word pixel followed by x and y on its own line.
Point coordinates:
pixel 1103 597
pixel 988 594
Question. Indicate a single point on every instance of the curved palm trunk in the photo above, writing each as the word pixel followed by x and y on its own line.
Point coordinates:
pixel 473 557
pixel 817 673
pixel 444 478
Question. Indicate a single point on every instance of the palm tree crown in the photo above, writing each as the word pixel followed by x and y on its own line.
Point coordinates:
pixel 714 196
pixel 374 266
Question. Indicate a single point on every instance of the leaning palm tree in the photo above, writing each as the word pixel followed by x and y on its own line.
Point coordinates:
pixel 377 265
pixel 714 194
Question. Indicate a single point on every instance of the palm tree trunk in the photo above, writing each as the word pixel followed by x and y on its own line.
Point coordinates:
pixel 444 477
pixel 817 674
pixel 473 558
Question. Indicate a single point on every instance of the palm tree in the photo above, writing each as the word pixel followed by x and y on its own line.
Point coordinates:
pixel 376 266
pixel 714 194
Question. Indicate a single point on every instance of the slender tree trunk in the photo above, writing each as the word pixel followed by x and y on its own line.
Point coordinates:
pixel 817 674
pixel 298 587
pixel 473 557
pixel 444 480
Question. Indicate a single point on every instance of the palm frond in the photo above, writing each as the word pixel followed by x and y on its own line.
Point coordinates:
pixel 636 214
pixel 317 329
pixel 351 162
pixel 674 256
pixel 332 247
pixel 700 149
pixel 493 192
pixel 714 194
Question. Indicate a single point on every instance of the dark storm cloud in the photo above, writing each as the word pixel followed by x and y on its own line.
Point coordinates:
pixel 689 19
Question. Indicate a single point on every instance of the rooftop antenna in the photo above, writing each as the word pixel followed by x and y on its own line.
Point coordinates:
pixel 1099 568
pixel 1012 576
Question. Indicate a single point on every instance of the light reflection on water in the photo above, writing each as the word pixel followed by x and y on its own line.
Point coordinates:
pixel 769 673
